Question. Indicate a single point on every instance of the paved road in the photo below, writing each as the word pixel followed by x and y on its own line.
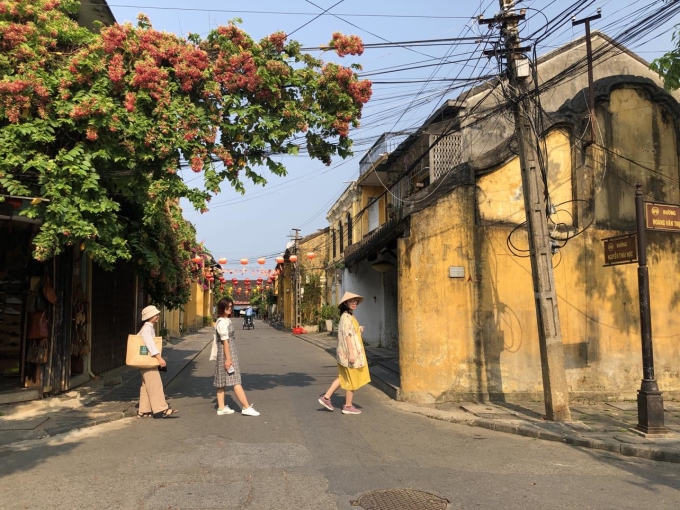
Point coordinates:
pixel 296 456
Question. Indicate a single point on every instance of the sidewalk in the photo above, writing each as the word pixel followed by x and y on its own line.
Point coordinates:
pixel 599 425
pixel 112 397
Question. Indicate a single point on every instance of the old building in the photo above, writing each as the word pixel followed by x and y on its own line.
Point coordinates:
pixel 454 228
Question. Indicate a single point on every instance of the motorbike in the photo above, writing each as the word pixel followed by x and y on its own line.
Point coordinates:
pixel 248 322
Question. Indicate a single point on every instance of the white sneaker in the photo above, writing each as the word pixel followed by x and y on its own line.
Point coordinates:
pixel 225 410
pixel 249 411
pixel 12 311
pixel 13 301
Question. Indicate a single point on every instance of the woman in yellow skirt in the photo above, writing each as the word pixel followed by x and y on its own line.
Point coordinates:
pixel 352 366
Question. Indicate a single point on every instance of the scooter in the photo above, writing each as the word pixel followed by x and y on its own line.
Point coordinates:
pixel 248 322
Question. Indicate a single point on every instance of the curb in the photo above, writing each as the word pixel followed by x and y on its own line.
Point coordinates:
pixel 95 419
pixel 521 428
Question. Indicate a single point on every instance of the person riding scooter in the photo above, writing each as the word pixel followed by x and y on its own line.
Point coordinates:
pixel 248 319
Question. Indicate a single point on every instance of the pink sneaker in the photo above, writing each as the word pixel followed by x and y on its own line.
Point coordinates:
pixel 350 410
pixel 326 402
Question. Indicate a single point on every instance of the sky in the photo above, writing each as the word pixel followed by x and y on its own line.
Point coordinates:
pixel 410 83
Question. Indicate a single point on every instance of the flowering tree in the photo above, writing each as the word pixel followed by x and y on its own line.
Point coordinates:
pixel 97 125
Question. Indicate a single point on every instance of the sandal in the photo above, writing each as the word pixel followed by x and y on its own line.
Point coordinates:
pixel 167 413
pixel 144 415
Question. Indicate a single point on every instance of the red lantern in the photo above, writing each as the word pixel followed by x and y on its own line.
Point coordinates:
pixel 279 260
pixel 238 290
pixel 222 261
pixel 259 281
pixel 246 281
pixel 261 261
pixel 269 280
pixel 311 255
pixel 293 258
pixel 244 262
pixel 234 281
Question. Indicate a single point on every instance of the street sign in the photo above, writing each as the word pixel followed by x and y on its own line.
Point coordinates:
pixel 662 217
pixel 620 250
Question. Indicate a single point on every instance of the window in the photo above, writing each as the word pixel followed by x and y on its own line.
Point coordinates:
pixel 335 254
pixel 349 229
pixel 342 248
pixel 374 215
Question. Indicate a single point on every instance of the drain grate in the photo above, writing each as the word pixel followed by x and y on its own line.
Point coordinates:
pixel 400 499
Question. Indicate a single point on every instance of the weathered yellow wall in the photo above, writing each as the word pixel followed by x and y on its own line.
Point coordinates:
pixel 172 322
pixel 477 337
pixel 436 319
pixel 193 310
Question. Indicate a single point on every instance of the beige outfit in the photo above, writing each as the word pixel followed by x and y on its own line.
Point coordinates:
pixel 151 394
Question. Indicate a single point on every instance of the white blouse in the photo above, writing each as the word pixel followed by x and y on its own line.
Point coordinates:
pixel 148 333
pixel 222 326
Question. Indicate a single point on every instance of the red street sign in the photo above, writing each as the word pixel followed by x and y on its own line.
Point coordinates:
pixel 662 217
pixel 620 250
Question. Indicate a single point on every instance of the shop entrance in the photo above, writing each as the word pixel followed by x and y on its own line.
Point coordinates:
pixel 19 378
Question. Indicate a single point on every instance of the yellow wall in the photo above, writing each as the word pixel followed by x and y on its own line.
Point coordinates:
pixel 436 319
pixel 476 337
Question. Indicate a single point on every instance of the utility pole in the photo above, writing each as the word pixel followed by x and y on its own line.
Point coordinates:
pixel 589 55
pixel 296 283
pixel 555 390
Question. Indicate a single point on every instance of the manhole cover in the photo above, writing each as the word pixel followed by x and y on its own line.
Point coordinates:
pixel 400 499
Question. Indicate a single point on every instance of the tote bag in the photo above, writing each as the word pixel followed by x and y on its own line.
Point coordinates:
pixel 213 349
pixel 138 354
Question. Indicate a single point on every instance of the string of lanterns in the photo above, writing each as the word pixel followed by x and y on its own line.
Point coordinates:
pixel 260 282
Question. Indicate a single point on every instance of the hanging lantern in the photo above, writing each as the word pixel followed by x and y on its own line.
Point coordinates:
pixel 234 281
pixel 244 262
pixel 279 260
pixel 293 258
pixel 267 287
pixel 259 281
pixel 311 255
pixel 197 259
pixel 246 281
pixel 238 290
pixel 222 261
pixel 269 281
pixel 261 261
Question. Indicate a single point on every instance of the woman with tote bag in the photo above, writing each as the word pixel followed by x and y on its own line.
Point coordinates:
pixel 151 396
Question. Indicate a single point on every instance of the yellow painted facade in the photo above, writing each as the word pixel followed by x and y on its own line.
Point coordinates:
pixel 191 316
pixel 479 338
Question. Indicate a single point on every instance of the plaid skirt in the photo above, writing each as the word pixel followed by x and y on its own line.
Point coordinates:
pixel 222 378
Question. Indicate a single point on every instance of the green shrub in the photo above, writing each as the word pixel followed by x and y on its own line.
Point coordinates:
pixel 330 312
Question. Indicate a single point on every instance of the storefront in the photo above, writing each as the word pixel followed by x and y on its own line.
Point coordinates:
pixel 44 330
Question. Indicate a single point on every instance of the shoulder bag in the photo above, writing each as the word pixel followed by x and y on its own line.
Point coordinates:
pixel 138 354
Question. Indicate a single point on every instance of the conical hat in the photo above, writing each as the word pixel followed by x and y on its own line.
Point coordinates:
pixel 348 295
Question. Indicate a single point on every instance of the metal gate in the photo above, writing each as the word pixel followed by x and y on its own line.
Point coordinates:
pixel 113 315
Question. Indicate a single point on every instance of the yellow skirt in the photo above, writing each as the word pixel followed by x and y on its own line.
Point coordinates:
pixel 353 378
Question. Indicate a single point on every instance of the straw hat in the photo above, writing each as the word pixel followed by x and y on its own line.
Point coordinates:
pixel 348 295
pixel 149 312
